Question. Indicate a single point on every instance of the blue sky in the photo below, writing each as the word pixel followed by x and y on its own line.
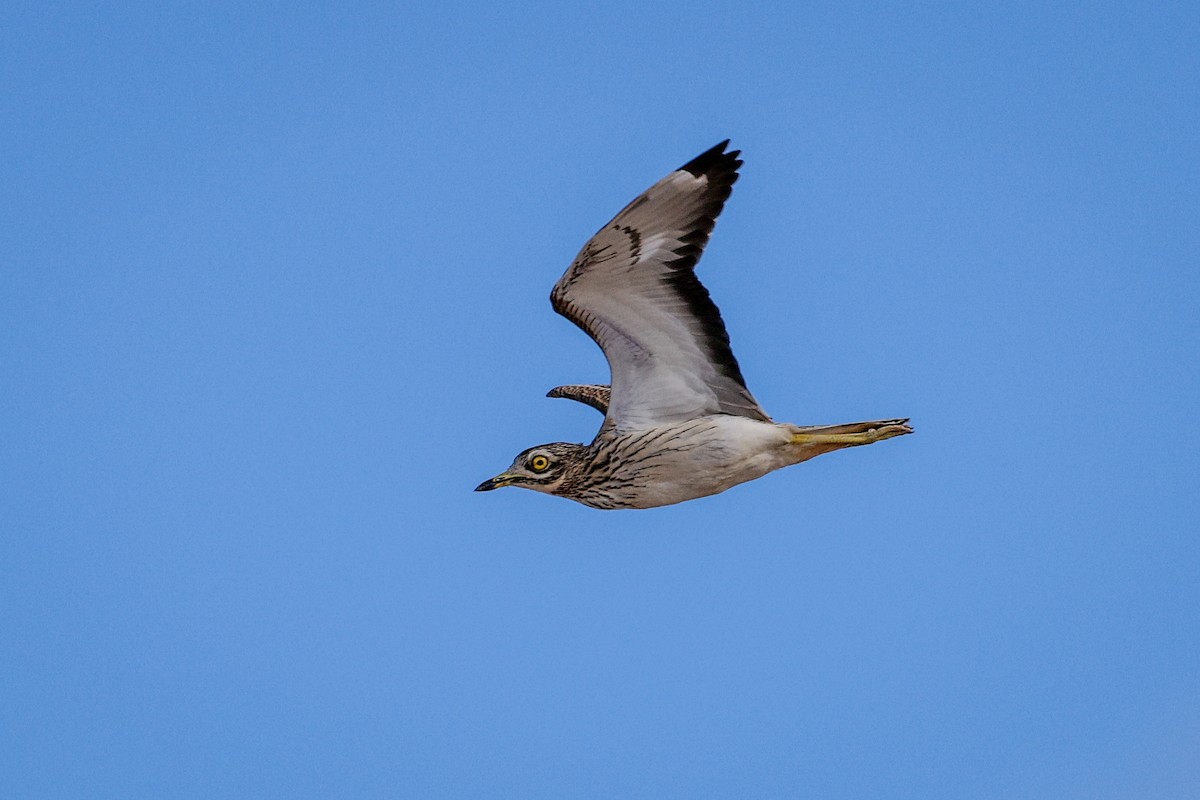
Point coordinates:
pixel 274 293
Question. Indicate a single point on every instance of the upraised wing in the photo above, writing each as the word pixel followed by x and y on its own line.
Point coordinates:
pixel 634 290
pixel 590 394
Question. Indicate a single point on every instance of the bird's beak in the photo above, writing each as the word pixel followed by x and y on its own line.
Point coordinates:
pixel 503 479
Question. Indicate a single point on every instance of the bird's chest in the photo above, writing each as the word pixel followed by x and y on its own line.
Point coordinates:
pixel 693 459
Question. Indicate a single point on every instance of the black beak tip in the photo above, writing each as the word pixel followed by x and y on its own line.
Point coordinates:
pixel 486 486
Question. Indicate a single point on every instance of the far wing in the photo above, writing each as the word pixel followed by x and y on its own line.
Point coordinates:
pixel 633 289
pixel 590 393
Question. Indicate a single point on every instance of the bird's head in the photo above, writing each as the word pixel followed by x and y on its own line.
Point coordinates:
pixel 540 468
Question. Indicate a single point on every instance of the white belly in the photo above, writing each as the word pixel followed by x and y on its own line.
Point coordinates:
pixel 705 456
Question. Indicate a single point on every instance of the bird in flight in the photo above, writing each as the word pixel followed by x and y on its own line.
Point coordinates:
pixel 679 422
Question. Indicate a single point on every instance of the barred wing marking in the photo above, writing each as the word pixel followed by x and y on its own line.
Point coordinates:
pixel 591 394
pixel 633 289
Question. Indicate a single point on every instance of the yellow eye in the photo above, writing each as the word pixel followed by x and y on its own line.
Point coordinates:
pixel 539 463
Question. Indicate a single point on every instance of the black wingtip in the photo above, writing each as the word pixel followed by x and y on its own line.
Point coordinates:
pixel 714 159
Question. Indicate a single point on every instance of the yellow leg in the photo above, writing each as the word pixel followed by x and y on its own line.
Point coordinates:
pixel 856 433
